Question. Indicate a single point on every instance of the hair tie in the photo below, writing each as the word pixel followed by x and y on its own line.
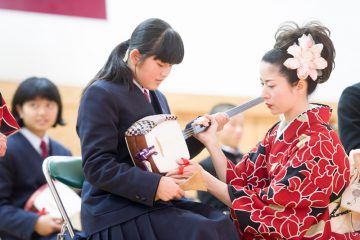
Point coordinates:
pixel 306 58
pixel 126 56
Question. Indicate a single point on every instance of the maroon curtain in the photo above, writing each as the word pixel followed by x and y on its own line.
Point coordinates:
pixel 81 8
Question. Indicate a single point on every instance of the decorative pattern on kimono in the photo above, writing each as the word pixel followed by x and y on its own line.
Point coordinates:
pixel 283 187
pixel 8 124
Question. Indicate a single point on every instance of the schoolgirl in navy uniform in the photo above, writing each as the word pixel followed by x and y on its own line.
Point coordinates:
pixel 119 200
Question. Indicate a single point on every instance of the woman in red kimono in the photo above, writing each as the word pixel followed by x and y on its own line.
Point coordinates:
pixel 283 187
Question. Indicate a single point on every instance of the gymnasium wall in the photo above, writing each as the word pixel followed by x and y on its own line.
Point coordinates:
pixel 185 106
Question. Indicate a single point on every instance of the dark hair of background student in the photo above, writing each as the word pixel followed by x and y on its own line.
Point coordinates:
pixel 36 87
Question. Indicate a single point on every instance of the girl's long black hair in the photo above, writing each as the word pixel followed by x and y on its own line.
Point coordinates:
pixel 152 37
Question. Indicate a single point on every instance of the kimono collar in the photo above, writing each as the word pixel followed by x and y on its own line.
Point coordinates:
pixel 316 114
pixel 322 114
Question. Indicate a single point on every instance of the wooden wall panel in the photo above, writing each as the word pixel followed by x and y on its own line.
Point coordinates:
pixel 185 106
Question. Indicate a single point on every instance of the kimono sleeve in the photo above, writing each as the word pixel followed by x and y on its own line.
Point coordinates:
pixel 251 170
pixel 298 193
pixel 8 124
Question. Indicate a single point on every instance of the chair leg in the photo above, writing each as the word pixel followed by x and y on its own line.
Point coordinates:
pixel 61 234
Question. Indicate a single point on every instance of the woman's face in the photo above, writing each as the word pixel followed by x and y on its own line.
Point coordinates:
pixel 280 97
pixel 151 72
pixel 38 115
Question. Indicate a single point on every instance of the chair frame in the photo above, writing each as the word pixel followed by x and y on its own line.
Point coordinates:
pixel 49 179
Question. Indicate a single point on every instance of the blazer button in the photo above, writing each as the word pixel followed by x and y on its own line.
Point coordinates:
pixel 137 197
pixel 143 199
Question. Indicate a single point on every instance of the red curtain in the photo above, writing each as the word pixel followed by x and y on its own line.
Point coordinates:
pixel 80 8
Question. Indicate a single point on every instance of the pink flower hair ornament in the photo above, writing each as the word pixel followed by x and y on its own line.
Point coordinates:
pixel 307 58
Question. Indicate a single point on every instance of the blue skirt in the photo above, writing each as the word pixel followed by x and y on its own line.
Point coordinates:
pixel 185 220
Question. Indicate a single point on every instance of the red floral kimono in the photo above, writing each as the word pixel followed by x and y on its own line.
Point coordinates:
pixel 282 188
pixel 8 124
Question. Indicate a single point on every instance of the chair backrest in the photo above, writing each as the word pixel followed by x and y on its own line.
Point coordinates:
pixel 66 169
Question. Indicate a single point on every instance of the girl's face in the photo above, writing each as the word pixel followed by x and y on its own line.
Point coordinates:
pixel 38 115
pixel 151 72
pixel 280 97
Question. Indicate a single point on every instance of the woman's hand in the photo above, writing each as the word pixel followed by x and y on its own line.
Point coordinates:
pixel 185 170
pixel 208 136
pixel 168 190
pixel 221 119
pixel 46 225
pixel 3 146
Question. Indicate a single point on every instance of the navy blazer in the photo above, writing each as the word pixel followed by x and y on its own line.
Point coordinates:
pixel 20 176
pixel 114 190
pixel 349 117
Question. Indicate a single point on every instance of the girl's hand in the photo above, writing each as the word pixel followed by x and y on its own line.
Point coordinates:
pixel 168 190
pixel 3 146
pixel 46 225
pixel 185 170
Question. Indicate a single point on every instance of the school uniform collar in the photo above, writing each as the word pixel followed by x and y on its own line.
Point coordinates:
pixel 142 88
pixel 231 150
pixel 33 139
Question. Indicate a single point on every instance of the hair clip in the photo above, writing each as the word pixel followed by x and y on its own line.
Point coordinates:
pixel 126 56
pixel 307 58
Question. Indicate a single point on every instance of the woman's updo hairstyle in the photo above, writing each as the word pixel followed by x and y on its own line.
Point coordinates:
pixel 288 34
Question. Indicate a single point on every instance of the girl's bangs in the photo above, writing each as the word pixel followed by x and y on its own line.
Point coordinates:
pixel 170 48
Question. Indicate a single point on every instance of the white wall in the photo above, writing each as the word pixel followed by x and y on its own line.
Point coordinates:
pixel 224 42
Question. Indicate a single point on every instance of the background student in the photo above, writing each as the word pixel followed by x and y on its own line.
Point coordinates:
pixel 37 107
pixel 349 117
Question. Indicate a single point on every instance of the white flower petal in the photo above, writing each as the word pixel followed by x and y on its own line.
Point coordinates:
pixel 306 41
pixel 302 72
pixel 307 57
pixel 292 63
pixel 316 49
pixel 313 74
pixel 320 63
pixel 294 50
